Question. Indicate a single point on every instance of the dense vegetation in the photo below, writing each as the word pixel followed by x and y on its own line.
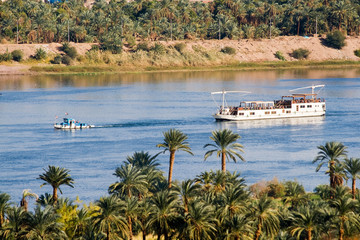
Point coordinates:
pixel 32 21
pixel 214 205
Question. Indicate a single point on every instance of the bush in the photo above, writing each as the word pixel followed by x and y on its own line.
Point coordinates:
pixel 180 47
pixel 280 56
pixel 228 50
pixel 5 57
pixel 57 59
pixel 131 41
pixel 17 55
pixel 65 47
pixel 335 40
pixel 95 47
pixel 300 53
pixel 40 54
pixel 158 48
pixel 66 60
pixel 143 47
pixel 70 51
pixel 357 52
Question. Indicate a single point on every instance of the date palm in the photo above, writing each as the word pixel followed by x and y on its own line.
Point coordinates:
pixel 189 189
pixel 174 140
pixel 13 227
pixel 4 205
pixel 265 217
pixel 352 170
pixel 132 181
pixel 26 194
pixel 130 209
pixel 225 146
pixel 56 176
pixel 143 160
pixel 107 219
pixel 304 219
pixel 330 153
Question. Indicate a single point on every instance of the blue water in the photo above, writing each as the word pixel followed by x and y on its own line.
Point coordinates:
pixel 131 112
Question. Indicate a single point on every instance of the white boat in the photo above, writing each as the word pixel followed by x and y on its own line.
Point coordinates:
pixel 69 123
pixel 296 105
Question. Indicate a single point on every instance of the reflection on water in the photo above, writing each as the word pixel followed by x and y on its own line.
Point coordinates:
pixel 263 77
pixel 249 124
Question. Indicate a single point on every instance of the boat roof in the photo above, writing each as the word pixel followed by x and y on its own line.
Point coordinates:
pixel 301 95
pixel 258 102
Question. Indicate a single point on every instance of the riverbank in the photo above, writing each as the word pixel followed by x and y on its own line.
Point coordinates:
pixel 196 55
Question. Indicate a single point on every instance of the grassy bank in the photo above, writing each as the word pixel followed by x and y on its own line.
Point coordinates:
pixel 245 66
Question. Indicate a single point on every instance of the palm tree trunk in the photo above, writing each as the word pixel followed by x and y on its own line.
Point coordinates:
pixel 332 182
pixel 309 234
pixel 144 235
pixel 24 204
pixel 171 166
pixel 55 195
pixel 130 228
pixel 258 232
pixel 223 162
pixel 108 232
pixel 353 187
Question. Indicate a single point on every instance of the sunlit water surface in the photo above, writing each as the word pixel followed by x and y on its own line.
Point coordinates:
pixel 132 111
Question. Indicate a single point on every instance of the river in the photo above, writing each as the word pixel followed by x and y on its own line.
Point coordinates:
pixel 131 112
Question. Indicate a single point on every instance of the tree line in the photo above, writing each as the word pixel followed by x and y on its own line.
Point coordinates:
pixel 33 21
pixel 213 205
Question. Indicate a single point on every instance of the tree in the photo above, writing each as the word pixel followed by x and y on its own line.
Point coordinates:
pixel 132 181
pixel 143 160
pixel 331 152
pixel 352 170
pixel 225 146
pixel 26 194
pixel 174 140
pixel 130 209
pixel 304 219
pixel 4 205
pixel 13 228
pixel 189 189
pixel 266 217
pixel 56 176
pixel 108 220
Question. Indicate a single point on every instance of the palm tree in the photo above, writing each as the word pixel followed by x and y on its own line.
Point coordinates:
pixel 56 176
pixel 200 221
pixel 352 169
pixel 4 205
pixel 174 140
pixel 130 209
pixel 43 224
pixel 189 189
pixel 13 227
pixel 225 146
pixel 266 217
pixel 304 219
pixel 163 211
pixel 143 160
pixel 26 194
pixel 239 227
pixel 294 193
pixel 132 181
pixel 331 152
pixel 108 220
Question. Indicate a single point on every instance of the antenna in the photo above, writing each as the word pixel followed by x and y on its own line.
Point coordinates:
pixel 312 88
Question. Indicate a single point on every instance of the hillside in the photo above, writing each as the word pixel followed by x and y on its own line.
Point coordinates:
pixel 247 50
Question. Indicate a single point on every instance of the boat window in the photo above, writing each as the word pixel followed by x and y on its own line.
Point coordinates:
pixel 309 106
pixel 302 106
pixel 273 112
pixel 252 113
pixel 288 111
pixel 267 112
pixel 241 113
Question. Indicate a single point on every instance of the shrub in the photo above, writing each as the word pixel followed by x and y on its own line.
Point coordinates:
pixel 131 41
pixel 56 60
pixel 180 47
pixel 228 50
pixel 158 48
pixel 5 57
pixel 65 47
pixel 142 46
pixel 71 52
pixel 95 47
pixel 280 56
pixel 17 55
pixel 66 60
pixel 335 40
pixel 40 54
pixel 300 53
pixel 357 52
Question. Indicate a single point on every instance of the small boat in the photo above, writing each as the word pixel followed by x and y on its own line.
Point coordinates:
pixel 296 105
pixel 69 123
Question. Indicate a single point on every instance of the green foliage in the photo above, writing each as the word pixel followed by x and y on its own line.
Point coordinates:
pixel 228 50
pixel 300 53
pixel 56 60
pixel 70 51
pixel 5 57
pixel 66 60
pixel 112 43
pixel 40 54
pixel 17 55
pixel 279 55
pixel 335 40
pixel 131 41
pixel 143 46
pixel 180 47
pixel 357 52
pixel 158 48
